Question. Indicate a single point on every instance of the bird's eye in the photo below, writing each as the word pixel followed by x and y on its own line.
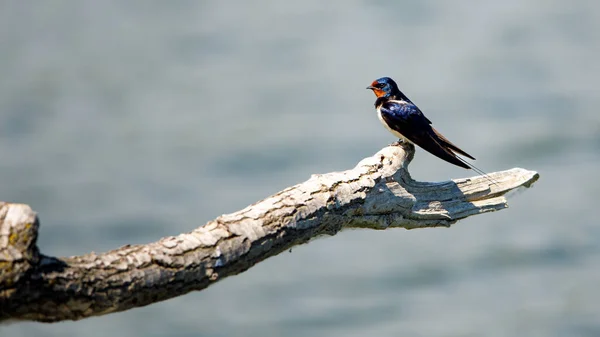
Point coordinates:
pixel 380 85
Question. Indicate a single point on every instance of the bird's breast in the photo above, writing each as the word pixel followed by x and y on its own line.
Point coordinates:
pixel 390 129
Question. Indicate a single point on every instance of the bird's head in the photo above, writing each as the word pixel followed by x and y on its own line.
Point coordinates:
pixel 384 87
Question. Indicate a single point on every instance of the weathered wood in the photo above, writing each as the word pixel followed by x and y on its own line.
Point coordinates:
pixel 378 194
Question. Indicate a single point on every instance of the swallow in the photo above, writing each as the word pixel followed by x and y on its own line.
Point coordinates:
pixel 405 120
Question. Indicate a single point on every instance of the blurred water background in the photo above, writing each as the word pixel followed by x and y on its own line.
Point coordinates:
pixel 122 122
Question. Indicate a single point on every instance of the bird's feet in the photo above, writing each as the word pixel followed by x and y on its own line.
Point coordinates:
pixel 402 142
pixel 399 142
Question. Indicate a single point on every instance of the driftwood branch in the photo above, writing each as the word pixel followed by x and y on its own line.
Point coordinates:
pixel 378 194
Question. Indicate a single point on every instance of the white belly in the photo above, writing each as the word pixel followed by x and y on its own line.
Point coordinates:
pixel 394 132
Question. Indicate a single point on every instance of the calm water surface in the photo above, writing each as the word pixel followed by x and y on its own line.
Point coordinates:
pixel 124 122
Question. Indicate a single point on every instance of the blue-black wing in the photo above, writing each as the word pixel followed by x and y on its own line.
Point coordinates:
pixel 408 120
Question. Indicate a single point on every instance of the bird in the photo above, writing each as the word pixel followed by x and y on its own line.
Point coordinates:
pixel 404 119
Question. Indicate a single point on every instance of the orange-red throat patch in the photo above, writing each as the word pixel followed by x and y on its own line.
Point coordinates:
pixel 376 91
pixel 379 93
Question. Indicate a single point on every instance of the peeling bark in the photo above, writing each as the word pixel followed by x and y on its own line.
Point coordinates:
pixel 378 194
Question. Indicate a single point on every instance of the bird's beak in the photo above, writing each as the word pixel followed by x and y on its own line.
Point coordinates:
pixel 371 87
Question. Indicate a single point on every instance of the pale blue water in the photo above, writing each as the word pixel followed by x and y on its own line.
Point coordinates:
pixel 125 122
